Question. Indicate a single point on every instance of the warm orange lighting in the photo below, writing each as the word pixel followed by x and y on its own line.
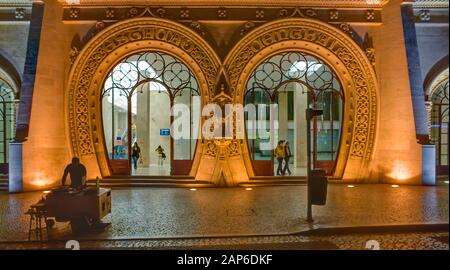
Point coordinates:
pixel 351 186
pixel 41 180
pixel 395 186
pixel 193 189
pixel 400 171
pixel 46 192
pixel 249 189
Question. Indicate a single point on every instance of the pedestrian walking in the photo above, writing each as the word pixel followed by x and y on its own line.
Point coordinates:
pixel 135 154
pixel 279 153
pixel 287 157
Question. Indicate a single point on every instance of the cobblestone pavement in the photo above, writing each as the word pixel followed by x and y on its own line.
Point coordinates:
pixel 177 213
pixel 402 241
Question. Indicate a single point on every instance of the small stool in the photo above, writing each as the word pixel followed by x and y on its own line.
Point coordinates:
pixel 37 214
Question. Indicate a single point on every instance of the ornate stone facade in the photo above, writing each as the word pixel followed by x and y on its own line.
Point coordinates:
pixel 361 41
pixel 319 39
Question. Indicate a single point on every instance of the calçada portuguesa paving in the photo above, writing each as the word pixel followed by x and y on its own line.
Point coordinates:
pixel 163 213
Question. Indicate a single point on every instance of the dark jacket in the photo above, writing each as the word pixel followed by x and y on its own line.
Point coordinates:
pixel 136 152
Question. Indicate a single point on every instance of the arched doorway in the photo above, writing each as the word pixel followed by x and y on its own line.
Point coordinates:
pixel 294 81
pixel 137 100
pixel 439 98
pixel 8 109
pixel 95 62
pixel 352 160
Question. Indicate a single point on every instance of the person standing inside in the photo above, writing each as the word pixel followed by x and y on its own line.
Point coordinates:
pixel 77 173
pixel 135 154
pixel 279 153
pixel 287 157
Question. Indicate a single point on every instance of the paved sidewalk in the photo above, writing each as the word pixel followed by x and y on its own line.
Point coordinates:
pixel 176 213
pixel 386 241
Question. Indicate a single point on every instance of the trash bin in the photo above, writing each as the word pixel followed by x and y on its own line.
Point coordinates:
pixel 319 187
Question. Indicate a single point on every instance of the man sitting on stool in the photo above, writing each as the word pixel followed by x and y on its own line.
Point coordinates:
pixel 77 174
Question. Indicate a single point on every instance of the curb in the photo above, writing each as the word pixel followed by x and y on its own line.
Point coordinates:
pixel 401 228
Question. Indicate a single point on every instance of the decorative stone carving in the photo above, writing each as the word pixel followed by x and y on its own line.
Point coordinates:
pixel 99 26
pixel 334 15
pixel 283 12
pixel 222 13
pixel 370 52
pixel 425 15
pixel 259 14
pixel 429 108
pixel 248 26
pixel 110 13
pixel 311 13
pixel 370 15
pixel 74 13
pixel 297 13
pixel 19 14
pixel 161 12
pixel 347 29
pixel 184 13
pixel 210 148
pixel 197 27
pixel 73 54
pixel 133 12
pixel 234 149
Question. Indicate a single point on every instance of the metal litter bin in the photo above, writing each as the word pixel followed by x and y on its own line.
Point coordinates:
pixel 319 187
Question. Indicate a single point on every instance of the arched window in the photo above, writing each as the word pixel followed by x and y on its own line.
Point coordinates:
pixel 136 102
pixel 8 105
pixel 439 124
pixel 294 81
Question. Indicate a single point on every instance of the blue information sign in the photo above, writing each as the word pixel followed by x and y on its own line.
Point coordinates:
pixel 164 132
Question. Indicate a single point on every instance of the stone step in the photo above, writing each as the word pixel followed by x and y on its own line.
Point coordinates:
pixel 145 177
pixel 136 182
pixel 275 182
pixel 152 185
pixel 148 182
pixel 4 183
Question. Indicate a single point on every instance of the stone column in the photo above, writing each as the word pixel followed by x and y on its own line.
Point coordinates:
pixel 283 115
pixel 142 123
pixel 29 75
pixel 300 105
pixel 415 73
pixel 159 119
pixel 15 167
pixel 398 156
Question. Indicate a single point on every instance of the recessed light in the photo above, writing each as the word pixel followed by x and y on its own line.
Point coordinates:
pixel 193 189
pixel 395 186
pixel 351 186
pixel 249 189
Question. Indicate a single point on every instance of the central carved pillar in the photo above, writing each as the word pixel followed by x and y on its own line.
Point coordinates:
pixel 221 161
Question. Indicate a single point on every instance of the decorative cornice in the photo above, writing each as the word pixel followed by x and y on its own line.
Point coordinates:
pixel 431 4
pixel 16 3
pixel 240 3
pixel 218 13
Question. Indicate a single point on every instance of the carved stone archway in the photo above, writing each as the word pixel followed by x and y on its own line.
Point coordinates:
pixel 102 53
pixel 348 61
